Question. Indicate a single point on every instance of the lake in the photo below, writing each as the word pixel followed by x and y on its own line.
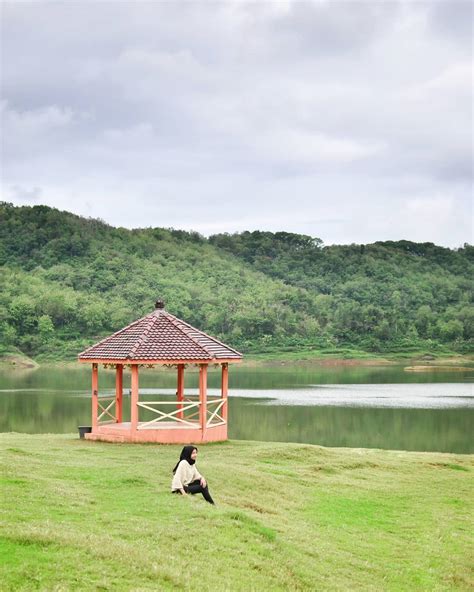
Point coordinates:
pixel 354 406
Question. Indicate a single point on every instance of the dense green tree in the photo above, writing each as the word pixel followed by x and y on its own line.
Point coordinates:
pixel 9 335
pixel 424 321
pixel 67 281
pixel 449 330
pixel 45 328
pixel 23 314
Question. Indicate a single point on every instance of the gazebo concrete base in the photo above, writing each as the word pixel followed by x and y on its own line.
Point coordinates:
pixel 167 433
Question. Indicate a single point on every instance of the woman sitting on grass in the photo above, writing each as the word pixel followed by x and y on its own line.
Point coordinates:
pixel 186 477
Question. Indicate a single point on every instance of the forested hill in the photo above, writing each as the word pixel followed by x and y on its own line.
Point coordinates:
pixel 67 281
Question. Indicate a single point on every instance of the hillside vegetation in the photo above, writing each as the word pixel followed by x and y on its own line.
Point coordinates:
pixel 67 281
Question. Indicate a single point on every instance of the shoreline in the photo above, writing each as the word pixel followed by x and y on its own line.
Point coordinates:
pixel 414 362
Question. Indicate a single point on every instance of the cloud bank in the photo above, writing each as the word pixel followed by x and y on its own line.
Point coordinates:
pixel 350 121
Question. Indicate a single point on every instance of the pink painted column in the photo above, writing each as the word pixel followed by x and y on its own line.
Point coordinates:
pixel 134 399
pixel 119 393
pixel 180 390
pixel 95 395
pixel 224 389
pixel 203 398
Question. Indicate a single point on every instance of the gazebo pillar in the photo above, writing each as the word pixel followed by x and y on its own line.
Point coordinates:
pixel 95 395
pixel 224 389
pixel 119 393
pixel 134 399
pixel 180 390
pixel 203 398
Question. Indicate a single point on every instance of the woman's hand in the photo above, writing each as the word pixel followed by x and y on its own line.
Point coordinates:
pixel 203 482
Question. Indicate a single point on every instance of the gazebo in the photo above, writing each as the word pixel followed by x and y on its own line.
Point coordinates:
pixel 159 339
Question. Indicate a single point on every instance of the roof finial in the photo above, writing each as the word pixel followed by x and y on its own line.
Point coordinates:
pixel 159 304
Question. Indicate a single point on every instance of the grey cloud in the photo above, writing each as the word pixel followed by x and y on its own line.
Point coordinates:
pixel 453 19
pixel 208 115
pixel 325 28
pixel 24 194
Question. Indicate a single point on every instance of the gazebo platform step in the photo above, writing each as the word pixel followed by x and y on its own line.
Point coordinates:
pixel 164 433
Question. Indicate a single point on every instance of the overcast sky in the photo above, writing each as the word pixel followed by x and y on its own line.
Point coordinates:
pixel 348 121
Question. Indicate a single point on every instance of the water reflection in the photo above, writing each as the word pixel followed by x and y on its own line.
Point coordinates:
pixel 443 430
pixel 57 400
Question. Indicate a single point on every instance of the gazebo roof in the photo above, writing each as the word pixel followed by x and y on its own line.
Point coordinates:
pixel 159 336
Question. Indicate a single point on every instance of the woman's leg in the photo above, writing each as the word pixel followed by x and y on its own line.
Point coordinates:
pixel 196 487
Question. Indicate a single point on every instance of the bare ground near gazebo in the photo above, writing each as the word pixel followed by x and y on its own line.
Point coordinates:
pixel 95 516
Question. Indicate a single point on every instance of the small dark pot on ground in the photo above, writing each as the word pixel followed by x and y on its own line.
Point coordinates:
pixel 84 430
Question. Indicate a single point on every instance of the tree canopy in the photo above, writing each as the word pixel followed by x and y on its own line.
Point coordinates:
pixel 67 281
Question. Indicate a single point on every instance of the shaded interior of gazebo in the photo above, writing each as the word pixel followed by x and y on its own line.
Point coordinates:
pixel 160 339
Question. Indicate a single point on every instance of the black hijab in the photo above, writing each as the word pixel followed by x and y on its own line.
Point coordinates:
pixel 186 455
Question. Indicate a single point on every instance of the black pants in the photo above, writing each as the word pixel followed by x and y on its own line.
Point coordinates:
pixel 196 487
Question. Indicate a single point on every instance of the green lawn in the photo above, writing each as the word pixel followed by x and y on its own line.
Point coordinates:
pixel 87 516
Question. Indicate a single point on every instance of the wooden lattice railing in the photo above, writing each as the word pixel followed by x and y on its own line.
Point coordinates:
pixel 162 416
pixel 181 415
pixel 215 415
pixel 104 410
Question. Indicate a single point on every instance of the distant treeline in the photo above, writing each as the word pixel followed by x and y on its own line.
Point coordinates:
pixel 67 281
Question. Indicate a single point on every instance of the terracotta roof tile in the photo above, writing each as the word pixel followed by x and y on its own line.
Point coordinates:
pixel 159 336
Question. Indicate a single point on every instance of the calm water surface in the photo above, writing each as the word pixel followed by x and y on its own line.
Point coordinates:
pixel 374 407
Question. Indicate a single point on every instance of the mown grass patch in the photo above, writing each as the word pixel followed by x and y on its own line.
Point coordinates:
pixel 92 516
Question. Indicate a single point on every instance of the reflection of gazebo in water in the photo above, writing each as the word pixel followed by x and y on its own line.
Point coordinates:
pixel 160 338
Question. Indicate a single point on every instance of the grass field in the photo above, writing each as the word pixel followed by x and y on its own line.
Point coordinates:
pixel 87 516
